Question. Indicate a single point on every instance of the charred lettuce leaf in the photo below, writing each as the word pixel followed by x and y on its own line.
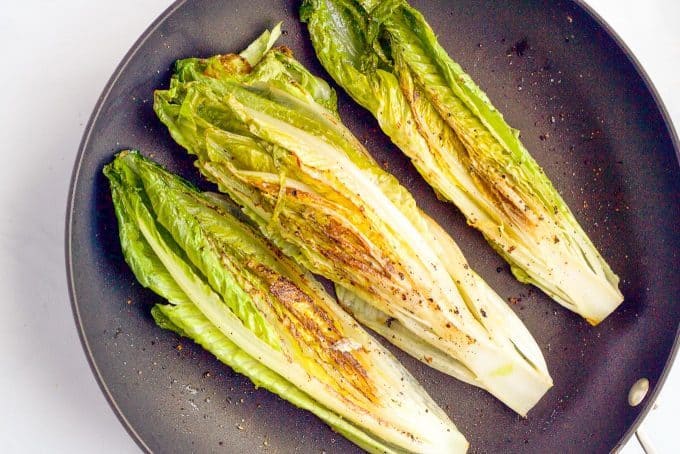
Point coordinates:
pixel 257 311
pixel 386 56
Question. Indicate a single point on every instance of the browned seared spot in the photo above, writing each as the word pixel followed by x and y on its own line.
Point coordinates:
pixel 342 256
pixel 496 188
pixel 285 50
pixel 352 250
pixel 308 222
pixel 236 63
pixel 487 178
pixel 312 326
pixel 231 63
pixel 264 186
pixel 345 249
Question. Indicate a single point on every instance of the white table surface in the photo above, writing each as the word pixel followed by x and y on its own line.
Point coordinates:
pixel 57 57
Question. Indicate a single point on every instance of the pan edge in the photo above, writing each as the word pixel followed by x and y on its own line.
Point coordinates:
pixel 69 219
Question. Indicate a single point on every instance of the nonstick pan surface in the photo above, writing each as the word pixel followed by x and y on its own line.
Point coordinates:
pixel 587 113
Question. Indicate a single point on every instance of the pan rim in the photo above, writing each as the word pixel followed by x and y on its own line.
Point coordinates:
pixel 103 97
pixel 646 80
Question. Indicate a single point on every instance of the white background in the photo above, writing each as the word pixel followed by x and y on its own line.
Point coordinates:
pixel 56 58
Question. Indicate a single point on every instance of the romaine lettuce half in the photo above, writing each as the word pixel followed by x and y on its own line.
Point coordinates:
pixel 386 56
pixel 257 311
pixel 269 135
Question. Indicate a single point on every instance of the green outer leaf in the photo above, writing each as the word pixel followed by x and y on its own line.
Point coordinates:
pixel 164 321
pixel 258 48
pixel 279 66
pixel 138 254
pixel 338 32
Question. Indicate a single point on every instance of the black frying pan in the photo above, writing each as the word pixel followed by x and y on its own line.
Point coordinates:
pixel 610 150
